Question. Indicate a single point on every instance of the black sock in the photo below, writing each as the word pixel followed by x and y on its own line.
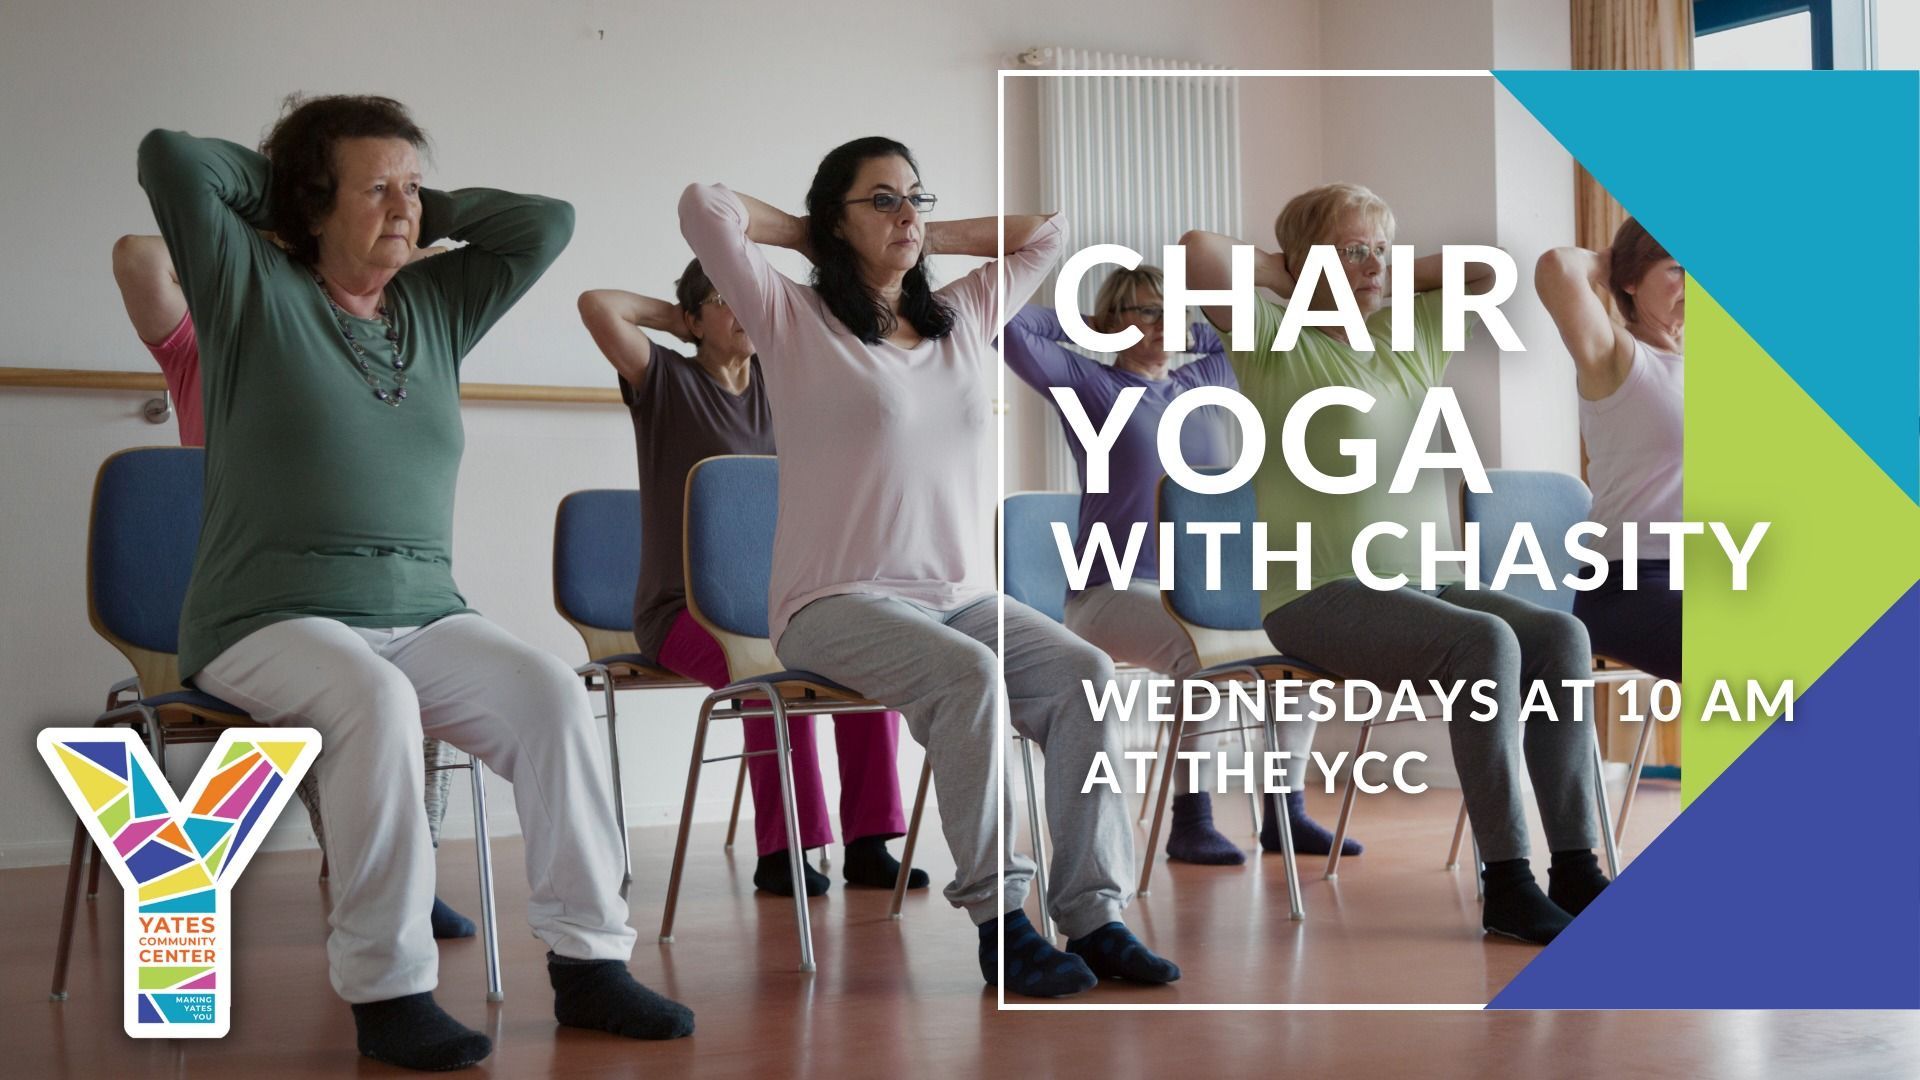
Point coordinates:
pixel 448 923
pixel 1034 967
pixel 1194 839
pixel 1114 953
pixel 868 863
pixel 1309 836
pixel 1574 879
pixel 1516 908
pixel 602 995
pixel 413 1032
pixel 774 874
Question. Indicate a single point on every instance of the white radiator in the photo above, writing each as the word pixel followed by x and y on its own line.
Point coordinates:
pixel 1134 160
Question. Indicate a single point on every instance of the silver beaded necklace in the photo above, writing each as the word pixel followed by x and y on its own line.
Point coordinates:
pixel 393 395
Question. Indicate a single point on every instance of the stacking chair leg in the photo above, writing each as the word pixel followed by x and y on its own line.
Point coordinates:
pixel 1166 782
pixel 93 872
pixel 1153 770
pixel 1039 841
pixel 1346 804
pixel 68 911
pixel 1479 882
pixel 483 840
pixel 913 837
pixel 1296 909
pixel 789 809
pixel 1459 833
pixel 686 819
pixel 739 787
pixel 619 792
pixel 1633 778
pixel 1607 840
pixel 1253 800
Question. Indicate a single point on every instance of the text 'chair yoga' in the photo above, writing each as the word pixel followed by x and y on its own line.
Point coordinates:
pixel 140 549
pixel 732 504
pixel 596 570
pixel 1224 626
pixel 1552 503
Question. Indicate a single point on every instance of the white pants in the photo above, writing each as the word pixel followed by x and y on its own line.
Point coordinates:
pixel 371 694
pixel 1132 626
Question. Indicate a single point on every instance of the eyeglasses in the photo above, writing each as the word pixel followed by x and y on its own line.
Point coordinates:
pixel 886 202
pixel 1150 313
pixel 716 300
pixel 1355 254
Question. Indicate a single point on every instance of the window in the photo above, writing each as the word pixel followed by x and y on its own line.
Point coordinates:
pixel 1777 34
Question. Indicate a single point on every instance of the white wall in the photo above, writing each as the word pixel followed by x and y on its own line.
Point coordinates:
pixel 519 95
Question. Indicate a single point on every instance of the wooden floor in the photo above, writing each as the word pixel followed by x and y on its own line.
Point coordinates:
pixel 900 999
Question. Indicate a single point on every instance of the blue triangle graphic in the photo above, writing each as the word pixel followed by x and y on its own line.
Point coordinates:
pixel 1751 195
pixel 203 833
pixel 148 1014
pixel 146 801
pixel 1677 930
pixel 111 756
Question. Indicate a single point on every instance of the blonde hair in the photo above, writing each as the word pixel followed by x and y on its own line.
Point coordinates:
pixel 1311 216
pixel 1123 287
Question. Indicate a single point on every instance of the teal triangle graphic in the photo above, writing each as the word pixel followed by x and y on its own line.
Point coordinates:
pixel 146 801
pixel 192 903
pixel 1794 197
pixel 203 833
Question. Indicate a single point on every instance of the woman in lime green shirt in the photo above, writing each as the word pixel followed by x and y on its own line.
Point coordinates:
pixel 1447 633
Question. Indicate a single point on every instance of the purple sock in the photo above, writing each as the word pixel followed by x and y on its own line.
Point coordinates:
pixel 1309 836
pixel 1194 839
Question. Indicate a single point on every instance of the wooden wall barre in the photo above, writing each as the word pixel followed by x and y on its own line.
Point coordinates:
pixel 151 382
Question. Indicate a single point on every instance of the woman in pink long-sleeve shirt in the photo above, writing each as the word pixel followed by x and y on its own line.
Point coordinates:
pixel 883 573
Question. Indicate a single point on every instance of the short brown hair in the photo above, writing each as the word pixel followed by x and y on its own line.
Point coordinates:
pixel 1633 253
pixel 301 149
pixel 1123 287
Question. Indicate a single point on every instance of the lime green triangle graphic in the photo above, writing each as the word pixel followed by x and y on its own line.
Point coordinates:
pixel 1844 543
pixel 162 978
pixel 114 817
pixel 235 752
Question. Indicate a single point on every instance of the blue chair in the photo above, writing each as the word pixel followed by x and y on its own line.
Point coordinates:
pixel 1224 627
pixel 1552 503
pixel 1032 573
pixel 596 568
pixel 731 509
pixel 140 549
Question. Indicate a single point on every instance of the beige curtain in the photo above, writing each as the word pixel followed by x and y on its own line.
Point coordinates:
pixel 1622 35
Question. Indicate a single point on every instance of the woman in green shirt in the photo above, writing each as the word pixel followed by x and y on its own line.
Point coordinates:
pixel 322 592
pixel 1385 636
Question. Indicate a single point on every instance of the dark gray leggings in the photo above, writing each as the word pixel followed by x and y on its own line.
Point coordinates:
pixel 1384 637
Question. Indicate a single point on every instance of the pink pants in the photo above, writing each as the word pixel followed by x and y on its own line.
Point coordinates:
pixel 867 743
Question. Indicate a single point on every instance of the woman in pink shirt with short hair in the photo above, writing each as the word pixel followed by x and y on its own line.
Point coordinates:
pixel 883 573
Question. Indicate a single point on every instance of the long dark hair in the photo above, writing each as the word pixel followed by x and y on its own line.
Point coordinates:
pixel 836 267
pixel 300 147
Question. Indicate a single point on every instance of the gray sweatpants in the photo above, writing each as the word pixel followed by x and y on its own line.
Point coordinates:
pixel 938 669
pixel 1384 637
pixel 1132 626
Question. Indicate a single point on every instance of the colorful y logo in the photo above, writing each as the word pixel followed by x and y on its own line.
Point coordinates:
pixel 178 865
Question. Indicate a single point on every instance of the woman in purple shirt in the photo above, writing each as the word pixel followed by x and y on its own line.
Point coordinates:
pixel 1131 624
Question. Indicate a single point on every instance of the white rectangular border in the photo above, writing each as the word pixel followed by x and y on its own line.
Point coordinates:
pixel 1004 726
